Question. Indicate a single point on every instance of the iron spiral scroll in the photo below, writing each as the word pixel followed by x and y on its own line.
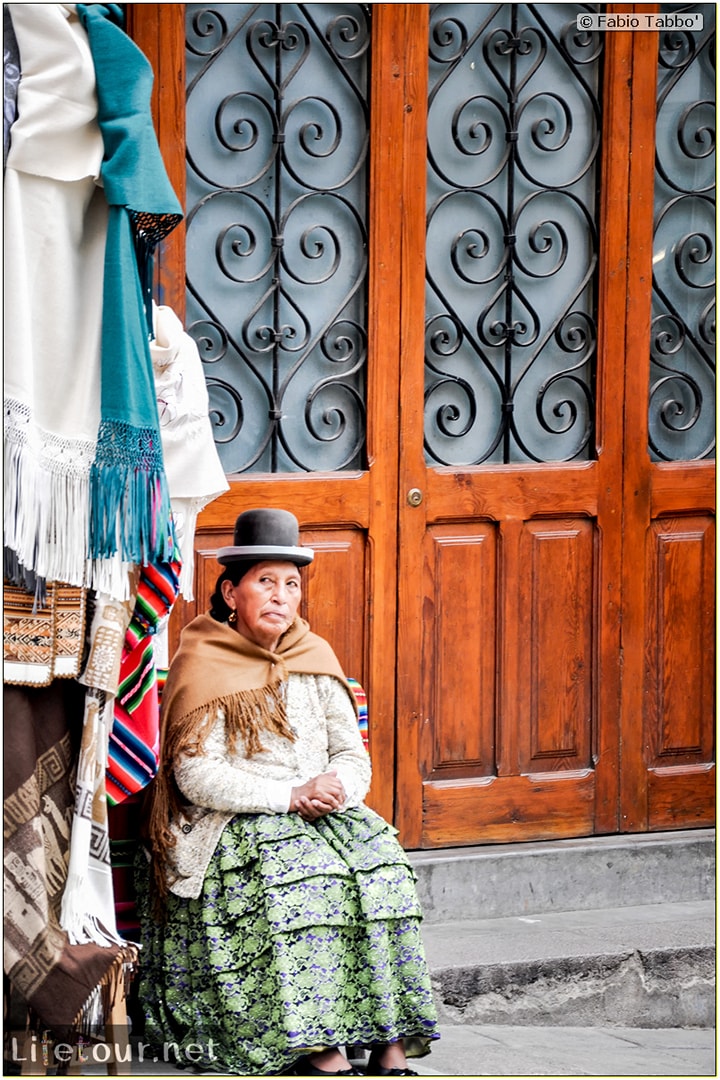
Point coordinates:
pixel 276 229
pixel 512 241
pixel 682 374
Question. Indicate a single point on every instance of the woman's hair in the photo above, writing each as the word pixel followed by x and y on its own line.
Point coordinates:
pixel 219 610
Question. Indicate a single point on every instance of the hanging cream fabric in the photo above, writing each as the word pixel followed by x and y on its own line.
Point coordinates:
pixel 192 465
pixel 55 221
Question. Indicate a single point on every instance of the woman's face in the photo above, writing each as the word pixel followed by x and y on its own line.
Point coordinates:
pixel 266 600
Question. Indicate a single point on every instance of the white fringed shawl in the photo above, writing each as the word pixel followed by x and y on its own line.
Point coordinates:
pixel 55 220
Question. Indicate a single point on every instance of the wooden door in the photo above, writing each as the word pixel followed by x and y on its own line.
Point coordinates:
pixel 555 643
pixel 509 595
pixel 349 518
pixel 535 638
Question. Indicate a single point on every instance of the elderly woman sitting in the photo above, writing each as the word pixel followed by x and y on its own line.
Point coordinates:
pixel 280 918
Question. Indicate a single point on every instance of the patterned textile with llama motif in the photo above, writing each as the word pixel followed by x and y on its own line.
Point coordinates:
pixel 67 987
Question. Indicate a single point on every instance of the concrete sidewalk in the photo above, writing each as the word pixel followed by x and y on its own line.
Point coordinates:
pixel 503 1050
pixel 647 966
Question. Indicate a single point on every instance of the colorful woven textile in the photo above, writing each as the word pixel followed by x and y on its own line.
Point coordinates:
pixel 361 702
pixel 125 827
pixel 135 736
pixel 42 642
pixel 304 935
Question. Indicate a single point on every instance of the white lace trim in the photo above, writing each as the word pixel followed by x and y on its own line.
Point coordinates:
pixel 47 505
pixel 52 453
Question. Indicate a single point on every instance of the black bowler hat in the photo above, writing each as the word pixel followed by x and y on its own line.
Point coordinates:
pixel 266 534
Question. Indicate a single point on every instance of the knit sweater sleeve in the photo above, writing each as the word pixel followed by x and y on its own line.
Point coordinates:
pixel 216 781
pixel 346 753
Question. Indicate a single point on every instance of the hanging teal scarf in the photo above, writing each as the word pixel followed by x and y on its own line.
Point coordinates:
pixel 130 504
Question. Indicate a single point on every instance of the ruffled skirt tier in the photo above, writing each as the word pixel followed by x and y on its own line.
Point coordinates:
pixel 305 935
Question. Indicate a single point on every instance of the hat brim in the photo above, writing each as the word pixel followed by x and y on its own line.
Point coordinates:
pixel 301 556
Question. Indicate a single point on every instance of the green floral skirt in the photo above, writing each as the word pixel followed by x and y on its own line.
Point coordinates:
pixel 304 935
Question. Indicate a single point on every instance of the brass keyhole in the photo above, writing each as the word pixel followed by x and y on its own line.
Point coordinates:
pixel 414 496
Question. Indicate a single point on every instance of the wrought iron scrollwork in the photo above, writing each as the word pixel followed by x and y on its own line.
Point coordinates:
pixel 513 141
pixel 276 229
pixel 682 372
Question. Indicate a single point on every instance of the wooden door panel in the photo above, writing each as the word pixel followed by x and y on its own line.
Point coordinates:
pixel 680 630
pixel 512 607
pixel 459 652
pixel 515 491
pixel 556 635
pixel 680 671
pixel 500 810
pixel 334 592
pixel 681 798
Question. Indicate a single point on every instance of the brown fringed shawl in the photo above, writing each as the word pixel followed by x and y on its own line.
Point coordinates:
pixel 68 988
pixel 217 668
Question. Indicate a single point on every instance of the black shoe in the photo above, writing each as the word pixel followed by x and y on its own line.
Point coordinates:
pixel 374 1068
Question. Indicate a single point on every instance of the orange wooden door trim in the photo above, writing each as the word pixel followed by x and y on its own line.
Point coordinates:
pixel 668 701
pixel 412 671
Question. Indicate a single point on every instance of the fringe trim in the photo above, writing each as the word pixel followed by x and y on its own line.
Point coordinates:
pixel 81 926
pixel 17 575
pixel 96 1010
pixel 112 577
pixel 47 523
pixel 246 713
pixel 46 517
pixel 129 498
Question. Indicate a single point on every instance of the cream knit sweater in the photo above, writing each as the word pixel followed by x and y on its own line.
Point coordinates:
pixel 219 784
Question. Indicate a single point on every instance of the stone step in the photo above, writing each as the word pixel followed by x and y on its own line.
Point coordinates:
pixel 499 880
pixel 645 966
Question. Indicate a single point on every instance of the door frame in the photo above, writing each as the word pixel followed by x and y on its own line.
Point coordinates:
pixel 679 793
pixel 630 795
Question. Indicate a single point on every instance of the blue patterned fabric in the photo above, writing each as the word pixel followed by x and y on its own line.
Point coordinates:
pixel 130 503
pixel 305 935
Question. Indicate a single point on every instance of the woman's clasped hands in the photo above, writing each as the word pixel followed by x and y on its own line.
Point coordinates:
pixel 318 796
